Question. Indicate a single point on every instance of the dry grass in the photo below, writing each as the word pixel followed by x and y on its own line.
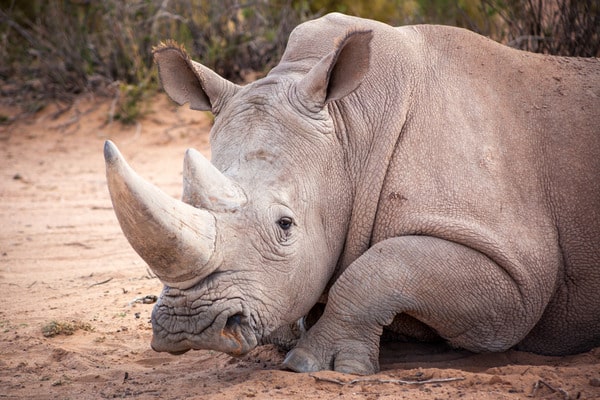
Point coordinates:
pixel 54 328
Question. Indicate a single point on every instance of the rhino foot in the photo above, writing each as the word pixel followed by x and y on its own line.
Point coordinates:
pixel 356 367
pixel 325 347
pixel 303 360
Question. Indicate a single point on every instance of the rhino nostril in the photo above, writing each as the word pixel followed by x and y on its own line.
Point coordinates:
pixel 233 321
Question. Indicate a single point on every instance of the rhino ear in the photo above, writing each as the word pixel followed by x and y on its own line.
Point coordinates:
pixel 340 72
pixel 187 81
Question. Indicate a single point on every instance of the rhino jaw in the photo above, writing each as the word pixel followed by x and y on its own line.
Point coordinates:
pixel 177 240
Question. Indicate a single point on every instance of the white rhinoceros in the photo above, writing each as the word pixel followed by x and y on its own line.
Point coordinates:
pixel 421 179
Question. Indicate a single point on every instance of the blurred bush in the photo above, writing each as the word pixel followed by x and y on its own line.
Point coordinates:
pixel 560 27
pixel 61 48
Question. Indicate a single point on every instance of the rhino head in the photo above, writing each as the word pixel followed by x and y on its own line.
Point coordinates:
pixel 258 233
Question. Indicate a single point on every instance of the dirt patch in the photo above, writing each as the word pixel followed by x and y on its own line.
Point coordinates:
pixel 64 261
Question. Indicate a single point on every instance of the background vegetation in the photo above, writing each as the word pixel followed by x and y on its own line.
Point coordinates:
pixel 56 50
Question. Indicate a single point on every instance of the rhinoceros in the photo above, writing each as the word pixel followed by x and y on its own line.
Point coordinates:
pixel 422 180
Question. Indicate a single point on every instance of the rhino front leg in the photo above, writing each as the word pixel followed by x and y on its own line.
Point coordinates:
pixel 462 294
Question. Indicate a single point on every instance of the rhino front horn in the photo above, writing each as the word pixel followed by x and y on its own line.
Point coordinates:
pixel 175 239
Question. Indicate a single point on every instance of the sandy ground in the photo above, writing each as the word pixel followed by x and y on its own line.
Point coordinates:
pixel 64 263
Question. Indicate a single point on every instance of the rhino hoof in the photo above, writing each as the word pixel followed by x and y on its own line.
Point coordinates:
pixel 354 367
pixel 300 360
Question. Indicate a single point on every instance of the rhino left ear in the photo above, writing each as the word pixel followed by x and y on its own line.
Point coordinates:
pixel 340 72
pixel 187 81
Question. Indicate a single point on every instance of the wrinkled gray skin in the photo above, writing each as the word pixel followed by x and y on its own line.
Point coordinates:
pixel 422 178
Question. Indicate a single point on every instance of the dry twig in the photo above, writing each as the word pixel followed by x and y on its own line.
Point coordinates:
pixel 376 380
pixel 150 274
pixel 148 299
pixel 100 283
pixel 540 382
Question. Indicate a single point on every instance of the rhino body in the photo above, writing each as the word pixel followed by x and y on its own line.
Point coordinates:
pixel 423 179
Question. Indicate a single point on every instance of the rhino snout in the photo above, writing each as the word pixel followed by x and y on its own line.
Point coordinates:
pixel 228 331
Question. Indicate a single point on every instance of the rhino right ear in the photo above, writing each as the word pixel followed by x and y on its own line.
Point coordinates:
pixel 187 81
pixel 340 72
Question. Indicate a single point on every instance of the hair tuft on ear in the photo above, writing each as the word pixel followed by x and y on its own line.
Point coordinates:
pixel 170 44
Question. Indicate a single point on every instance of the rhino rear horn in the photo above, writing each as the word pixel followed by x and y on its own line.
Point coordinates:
pixel 206 187
pixel 175 239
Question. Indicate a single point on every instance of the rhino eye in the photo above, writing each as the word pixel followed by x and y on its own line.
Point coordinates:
pixel 285 223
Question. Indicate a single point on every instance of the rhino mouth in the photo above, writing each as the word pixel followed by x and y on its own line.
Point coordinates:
pixel 177 331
